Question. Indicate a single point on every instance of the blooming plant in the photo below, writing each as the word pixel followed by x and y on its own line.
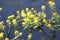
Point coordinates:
pixel 31 20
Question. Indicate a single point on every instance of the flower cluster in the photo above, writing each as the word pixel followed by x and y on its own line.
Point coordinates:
pixel 32 20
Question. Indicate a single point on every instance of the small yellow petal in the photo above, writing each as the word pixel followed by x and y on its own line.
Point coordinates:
pixel 53 3
pixel 26 19
pixel 0 8
pixel 44 20
pixel 43 7
pixel 27 9
pixel 21 33
pixel 23 23
pixel 36 21
pixel 7 21
pixel 1 35
pixel 11 16
pixel 39 14
pixel 16 32
pixel 1 23
pixel 50 2
pixel 54 15
pixel 14 21
pixel 6 38
pixel 49 25
pixel 32 16
pixel 30 36
pixel 23 15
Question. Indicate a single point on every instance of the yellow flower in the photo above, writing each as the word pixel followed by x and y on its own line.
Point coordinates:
pixel 16 32
pixel 36 21
pixel 6 38
pixel 11 16
pixel 50 2
pixel 21 33
pixel 44 20
pixel 3 27
pixel 53 3
pixel 23 15
pixel 0 8
pixel 32 16
pixel 30 36
pixel 49 25
pixel 39 14
pixel 1 35
pixel 43 7
pixel 18 17
pixel 14 21
pixel 44 15
pixel 23 23
pixel 1 23
pixel 22 11
pixel 26 19
pixel 27 9
pixel 29 14
pixel 7 21
pixel 54 15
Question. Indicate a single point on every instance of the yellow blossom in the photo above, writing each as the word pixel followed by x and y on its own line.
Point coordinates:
pixel 49 25
pixel 3 27
pixel 11 16
pixel 23 23
pixel 54 15
pixel 43 7
pixel 50 2
pixel 29 14
pixel 23 15
pixel 53 3
pixel 16 32
pixel 21 33
pixel 44 15
pixel 1 23
pixel 26 19
pixel 22 11
pixel 27 9
pixel 18 17
pixel 44 20
pixel 7 21
pixel 1 35
pixel 6 38
pixel 0 8
pixel 39 14
pixel 36 21
pixel 30 36
pixel 32 16
pixel 14 21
